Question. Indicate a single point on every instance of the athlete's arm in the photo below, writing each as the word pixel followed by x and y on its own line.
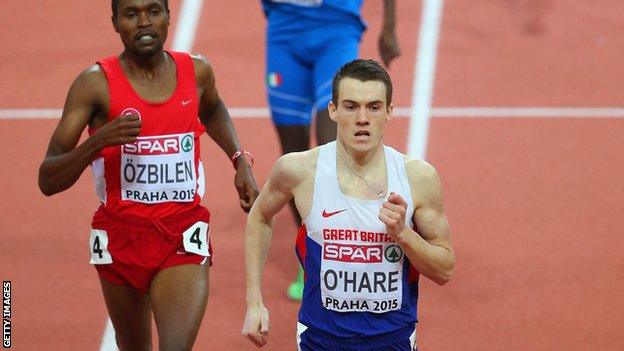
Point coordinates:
pixel 429 250
pixel 286 175
pixel 388 43
pixel 214 116
pixel 87 101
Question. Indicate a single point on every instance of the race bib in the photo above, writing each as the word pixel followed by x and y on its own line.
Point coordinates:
pixel 98 243
pixel 195 239
pixel 358 277
pixel 159 169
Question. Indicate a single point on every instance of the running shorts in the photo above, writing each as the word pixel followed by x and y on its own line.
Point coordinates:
pixel 132 250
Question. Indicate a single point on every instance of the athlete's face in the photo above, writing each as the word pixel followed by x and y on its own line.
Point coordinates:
pixel 361 113
pixel 142 25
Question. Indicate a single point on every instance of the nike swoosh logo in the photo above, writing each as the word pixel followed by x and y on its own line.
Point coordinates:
pixel 186 102
pixel 329 214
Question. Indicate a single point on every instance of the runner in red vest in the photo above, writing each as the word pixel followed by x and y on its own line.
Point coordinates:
pixel 150 238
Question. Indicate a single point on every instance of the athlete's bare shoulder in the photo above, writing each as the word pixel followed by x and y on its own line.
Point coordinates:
pixel 424 180
pixel 417 169
pixel 199 59
pixel 203 69
pixel 93 79
pixel 205 78
pixel 95 71
pixel 88 96
pixel 295 168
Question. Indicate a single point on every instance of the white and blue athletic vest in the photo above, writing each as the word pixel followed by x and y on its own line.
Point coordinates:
pixel 358 281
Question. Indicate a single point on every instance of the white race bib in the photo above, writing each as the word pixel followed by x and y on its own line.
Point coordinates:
pixel 196 238
pixel 98 244
pixel 361 277
pixel 159 169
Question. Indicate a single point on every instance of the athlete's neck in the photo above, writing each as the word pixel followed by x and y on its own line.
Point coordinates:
pixel 144 66
pixel 359 161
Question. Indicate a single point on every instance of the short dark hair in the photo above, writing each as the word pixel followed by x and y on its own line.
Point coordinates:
pixel 362 70
pixel 115 4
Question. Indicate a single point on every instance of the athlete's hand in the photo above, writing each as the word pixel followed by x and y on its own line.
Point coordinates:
pixel 392 213
pixel 245 185
pixel 388 47
pixel 119 131
pixel 256 327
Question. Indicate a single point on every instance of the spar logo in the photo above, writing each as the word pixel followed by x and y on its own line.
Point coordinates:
pixel 352 253
pixel 393 253
pixel 164 145
pixel 187 143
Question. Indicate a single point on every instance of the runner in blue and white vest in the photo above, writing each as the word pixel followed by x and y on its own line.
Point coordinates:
pixel 373 223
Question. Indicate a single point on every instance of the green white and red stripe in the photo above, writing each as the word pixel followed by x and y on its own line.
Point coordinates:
pixel 274 79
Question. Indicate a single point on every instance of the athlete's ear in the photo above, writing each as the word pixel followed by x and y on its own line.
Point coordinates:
pixel 390 110
pixel 333 111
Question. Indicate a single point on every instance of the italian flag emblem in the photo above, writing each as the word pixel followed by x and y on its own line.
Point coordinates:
pixel 274 79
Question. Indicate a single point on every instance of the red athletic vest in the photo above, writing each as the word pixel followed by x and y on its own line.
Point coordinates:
pixel 161 173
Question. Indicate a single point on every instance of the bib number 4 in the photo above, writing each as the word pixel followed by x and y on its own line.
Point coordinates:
pixel 195 239
pixel 98 242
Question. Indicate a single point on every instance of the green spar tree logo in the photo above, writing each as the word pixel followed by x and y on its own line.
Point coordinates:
pixel 393 253
pixel 187 143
